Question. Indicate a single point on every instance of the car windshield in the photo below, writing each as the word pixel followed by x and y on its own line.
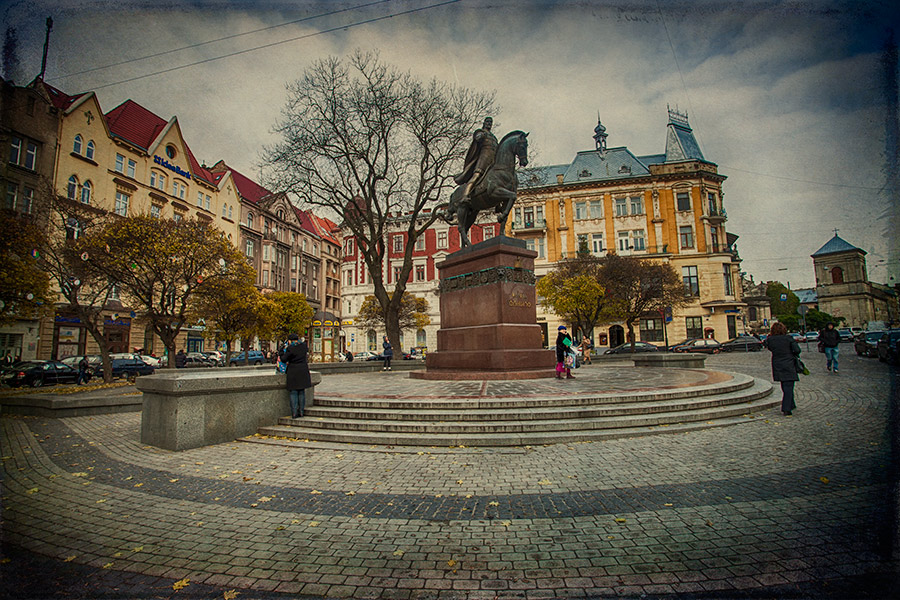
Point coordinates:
pixel 874 336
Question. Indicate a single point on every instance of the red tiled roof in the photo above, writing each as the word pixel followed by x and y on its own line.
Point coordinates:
pixel 134 123
pixel 326 228
pixel 306 222
pixel 197 169
pixel 247 188
pixel 60 99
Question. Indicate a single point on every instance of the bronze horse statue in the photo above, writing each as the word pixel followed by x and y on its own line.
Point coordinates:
pixel 496 189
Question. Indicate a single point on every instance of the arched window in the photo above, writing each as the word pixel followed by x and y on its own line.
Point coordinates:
pixel 229 212
pixel 420 338
pixel 89 151
pixel 370 340
pixel 224 210
pixel 837 275
pixel 281 214
pixel 86 193
pixel 753 314
pixel 73 228
pixel 72 188
pixel 76 146
pixel 250 220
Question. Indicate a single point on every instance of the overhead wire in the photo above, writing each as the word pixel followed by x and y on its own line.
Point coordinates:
pixel 278 43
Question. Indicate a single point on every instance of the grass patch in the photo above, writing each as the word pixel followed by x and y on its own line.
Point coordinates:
pixel 60 390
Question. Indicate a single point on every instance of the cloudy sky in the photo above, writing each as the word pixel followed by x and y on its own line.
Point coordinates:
pixel 788 98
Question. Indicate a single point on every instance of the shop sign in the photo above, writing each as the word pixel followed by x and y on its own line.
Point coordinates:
pixel 66 319
pixel 317 323
pixel 175 168
pixel 117 322
pixel 328 323
pixel 347 322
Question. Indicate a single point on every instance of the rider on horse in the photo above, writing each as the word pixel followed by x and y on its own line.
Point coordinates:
pixel 479 158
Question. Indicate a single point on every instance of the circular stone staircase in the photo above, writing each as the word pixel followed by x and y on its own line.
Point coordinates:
pixel 601 403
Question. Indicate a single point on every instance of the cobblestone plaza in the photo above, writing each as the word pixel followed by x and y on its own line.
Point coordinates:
pixel 799 506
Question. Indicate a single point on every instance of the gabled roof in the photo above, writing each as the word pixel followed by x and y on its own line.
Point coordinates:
pixel 836 245
pixel 326 228
pixel 135 124
pixel 247 188
pixel 306 222
pixel 60 99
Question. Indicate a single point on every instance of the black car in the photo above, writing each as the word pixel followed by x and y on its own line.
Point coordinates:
pixel 130 368
pixel 638 347
pixel 888 343
pixel 866 343
pixel 703 345
pixel 743 343
pixel 37 373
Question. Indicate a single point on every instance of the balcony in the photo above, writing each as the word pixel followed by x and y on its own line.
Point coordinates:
pixel 534 225
pixel 716 215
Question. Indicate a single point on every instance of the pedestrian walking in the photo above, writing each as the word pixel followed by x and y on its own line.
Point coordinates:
pixel 830 339
pixel 388 354
pixel 294 356
pixel 564 357
pixel 180 359
pixel 82 371
pixel 785 360
pixel 586 346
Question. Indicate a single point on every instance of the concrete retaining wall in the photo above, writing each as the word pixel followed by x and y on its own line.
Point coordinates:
pixel 190 409
pixel 664 359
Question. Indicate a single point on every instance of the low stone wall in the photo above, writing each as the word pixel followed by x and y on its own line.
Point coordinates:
pixel 664 359
pixel 189 409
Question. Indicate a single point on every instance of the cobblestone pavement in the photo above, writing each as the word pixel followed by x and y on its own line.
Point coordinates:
pixel 801 506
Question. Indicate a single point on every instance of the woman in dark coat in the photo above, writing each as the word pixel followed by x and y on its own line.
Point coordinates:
pixel 561 349
pixel 388 354
pixel 785 354
pixel 297 371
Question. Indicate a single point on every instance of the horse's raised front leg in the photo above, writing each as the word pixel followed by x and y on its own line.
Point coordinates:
pixel 462 217
pixel 510 200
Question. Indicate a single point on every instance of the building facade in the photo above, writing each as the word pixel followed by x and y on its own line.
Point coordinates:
pixel 666 207
pixel 843 288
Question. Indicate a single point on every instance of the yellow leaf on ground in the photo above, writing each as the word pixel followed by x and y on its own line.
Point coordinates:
pixel 313 523
pixel 138 484
pixel 824 479
pixel 80 474
pixel 181 584
pixel 172 480
pixel 544 482
pixel 101 501
pixel 230 595
pixel 398 552
pixel 451 563
pixel 264 499
pixel 315 492
pixel 459 481
pixel 621 520
pixel 349 493
pixel 108 565
pixel 137 549
pixel 33 491
pixel 493 504
pixel 506 523
pixel 69 558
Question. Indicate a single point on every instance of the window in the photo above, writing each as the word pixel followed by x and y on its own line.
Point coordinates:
pixel 73 229
pixel 396 274
pixel 637 240
pixel 86 193
pixel 691 281
pixel 597 244
pixel 89 151
pixel 420 243
pixel 726 275
pixel 398 243
pixel 114 293
pixel 651 330
pixel 753 313
pixel 837 275
pixel 714 236
pixel 208 202
pixel 711 198
pixel 76 145
pixel 684 200
pixel 686 236
pixel 250 220
pixel 370 340
pixel 420 272
pixel 132 166
pixel 348 280
pixel 487 232
pixel 72 188
pixel 442 239
pixel 248 249
pixel 199 199
pixel 265 281
pixel 229 211
pixel 623 241
pixel 637 205
pixel 177 217
pixel 581 210
pixel 529 217
pixel 12 194
pixel 621 207
pixel 539 215
pixel 121 204
pixel 596 209
pixel 155 211
pixel 293 284
pixel 583 247
pixel 15 150
pixel 178 188
pixel 30 155
pixel 27 200
pixel 224 210
pixel 693 327
pixel 120 163
pixel 158 180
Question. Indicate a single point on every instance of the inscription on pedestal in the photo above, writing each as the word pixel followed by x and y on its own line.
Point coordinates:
pixel 486 277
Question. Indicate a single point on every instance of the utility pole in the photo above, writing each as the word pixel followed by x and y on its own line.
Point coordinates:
pixel 46 48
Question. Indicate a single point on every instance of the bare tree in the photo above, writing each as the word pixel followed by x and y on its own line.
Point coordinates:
pixel 366 142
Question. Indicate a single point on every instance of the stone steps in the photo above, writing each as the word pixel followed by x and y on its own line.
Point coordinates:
pixel 531 421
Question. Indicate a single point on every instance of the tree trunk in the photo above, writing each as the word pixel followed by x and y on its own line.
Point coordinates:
pixel 94 329
pixel 392 328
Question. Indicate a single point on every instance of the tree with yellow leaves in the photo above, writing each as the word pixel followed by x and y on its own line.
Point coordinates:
pixel 24 286
pixel 413 313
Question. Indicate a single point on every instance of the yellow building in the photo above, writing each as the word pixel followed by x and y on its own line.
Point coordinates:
pixel 667 207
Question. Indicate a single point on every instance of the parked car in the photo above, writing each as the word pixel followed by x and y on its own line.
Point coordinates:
pixel 888 350
pixel 150 360
pixel 217 357
pixel 375 357
pixel 812 336
pixel 846 334
pixel 198 359
pixel 38 373
pixel 638 347
pixel 255 358
pixel 130 368
pixel 798 337
pixel 706 346
pixel 364 355
pixel 95 362
pixel 866 343
pixel 743 343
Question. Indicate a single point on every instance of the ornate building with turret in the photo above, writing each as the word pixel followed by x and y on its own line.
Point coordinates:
pixel 667 207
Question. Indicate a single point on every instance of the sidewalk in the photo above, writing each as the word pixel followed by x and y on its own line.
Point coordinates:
pixel 801 506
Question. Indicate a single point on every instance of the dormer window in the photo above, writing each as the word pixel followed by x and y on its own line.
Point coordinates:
pixel 625 169
pixel 585 173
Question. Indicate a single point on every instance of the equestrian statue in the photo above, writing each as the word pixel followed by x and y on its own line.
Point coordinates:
pixel 488 179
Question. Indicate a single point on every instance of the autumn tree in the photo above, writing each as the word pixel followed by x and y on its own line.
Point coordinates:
pixel 24 285
pixel 66 258
pixel 413 313
pixel 293 314
pixel 573 292
pixel 365 141
pixel 635 287
pixel 233 308
pixel 160 265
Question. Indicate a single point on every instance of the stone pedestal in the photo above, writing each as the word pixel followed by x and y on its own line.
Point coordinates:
pixel 489 324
